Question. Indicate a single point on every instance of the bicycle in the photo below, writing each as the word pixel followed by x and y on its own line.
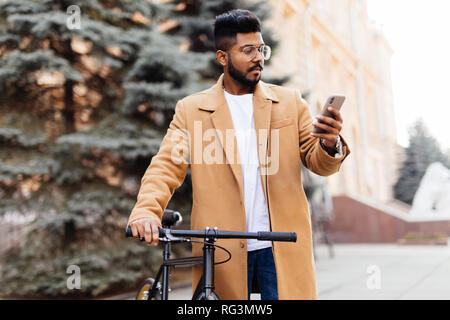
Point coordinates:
pixel 152 289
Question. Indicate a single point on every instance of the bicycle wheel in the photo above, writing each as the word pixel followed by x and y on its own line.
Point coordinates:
pixel 144 290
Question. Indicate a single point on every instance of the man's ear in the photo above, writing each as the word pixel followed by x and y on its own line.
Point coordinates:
pixel 222 57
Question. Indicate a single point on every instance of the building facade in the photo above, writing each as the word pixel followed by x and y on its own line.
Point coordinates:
pixel 330 46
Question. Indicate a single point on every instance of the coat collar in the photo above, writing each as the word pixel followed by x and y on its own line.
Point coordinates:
pixel 217 98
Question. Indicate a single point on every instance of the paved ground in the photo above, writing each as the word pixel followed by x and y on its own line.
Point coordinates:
pixel 366 271
pixel 390 272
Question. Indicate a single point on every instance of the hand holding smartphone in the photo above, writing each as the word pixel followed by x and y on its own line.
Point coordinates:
pixel 335 101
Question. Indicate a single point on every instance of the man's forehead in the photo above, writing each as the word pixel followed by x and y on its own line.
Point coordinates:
pixel 249 39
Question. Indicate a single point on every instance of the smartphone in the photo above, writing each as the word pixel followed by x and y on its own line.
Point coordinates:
pixel 334 101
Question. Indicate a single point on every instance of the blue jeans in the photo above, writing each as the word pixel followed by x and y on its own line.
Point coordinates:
pixel 261 265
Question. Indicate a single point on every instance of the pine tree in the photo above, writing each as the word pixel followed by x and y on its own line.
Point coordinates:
pixel 194 20
pixel 83 110
pixel 423 150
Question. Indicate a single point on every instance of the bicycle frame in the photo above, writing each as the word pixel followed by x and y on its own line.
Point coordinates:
pixel 205 286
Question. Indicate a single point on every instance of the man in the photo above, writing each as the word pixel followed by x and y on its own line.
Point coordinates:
pixel 239 190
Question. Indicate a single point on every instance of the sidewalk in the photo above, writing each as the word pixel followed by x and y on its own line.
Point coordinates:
pixel 404 272
pixel 377 271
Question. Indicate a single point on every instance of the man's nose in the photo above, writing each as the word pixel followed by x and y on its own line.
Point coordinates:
pixel 259 57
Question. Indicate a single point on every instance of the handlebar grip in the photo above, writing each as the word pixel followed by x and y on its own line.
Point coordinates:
pixel 129 233
pixel 277 236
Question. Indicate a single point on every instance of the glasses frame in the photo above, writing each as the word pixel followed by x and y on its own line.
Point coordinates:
pixel 259 49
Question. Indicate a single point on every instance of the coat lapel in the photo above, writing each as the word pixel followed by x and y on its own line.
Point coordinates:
pixel 221 119
pixel 263 99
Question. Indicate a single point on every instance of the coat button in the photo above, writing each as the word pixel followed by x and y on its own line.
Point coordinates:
pixel 242 244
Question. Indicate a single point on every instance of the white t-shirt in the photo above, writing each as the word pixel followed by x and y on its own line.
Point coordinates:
pixel 241 109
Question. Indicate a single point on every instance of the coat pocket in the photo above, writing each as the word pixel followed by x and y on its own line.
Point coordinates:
pixel 281 123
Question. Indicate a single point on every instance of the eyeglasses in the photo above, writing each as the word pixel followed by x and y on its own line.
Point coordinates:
pixel 250 52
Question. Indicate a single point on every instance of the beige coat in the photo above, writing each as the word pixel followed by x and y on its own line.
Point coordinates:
pixel 218 187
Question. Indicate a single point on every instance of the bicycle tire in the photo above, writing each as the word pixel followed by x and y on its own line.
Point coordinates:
pixel 144 290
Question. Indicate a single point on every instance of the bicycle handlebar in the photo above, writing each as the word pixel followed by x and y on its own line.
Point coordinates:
pixel 217 234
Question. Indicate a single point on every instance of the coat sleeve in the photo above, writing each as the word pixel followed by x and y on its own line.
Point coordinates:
pixel 166 171
pixel 312 155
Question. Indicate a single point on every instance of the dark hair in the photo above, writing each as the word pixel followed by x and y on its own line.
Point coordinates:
pixel 228 24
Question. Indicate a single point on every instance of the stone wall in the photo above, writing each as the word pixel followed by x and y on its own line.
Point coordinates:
pixel 358 222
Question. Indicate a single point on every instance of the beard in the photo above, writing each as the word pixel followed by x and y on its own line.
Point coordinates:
pixel 239 76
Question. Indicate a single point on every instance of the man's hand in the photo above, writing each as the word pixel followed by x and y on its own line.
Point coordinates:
pixel 332 127
pixel 146 228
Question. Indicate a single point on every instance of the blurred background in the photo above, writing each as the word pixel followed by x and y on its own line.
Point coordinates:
pixel 88 89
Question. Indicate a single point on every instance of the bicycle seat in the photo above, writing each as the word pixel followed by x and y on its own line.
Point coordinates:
pixel 171 218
